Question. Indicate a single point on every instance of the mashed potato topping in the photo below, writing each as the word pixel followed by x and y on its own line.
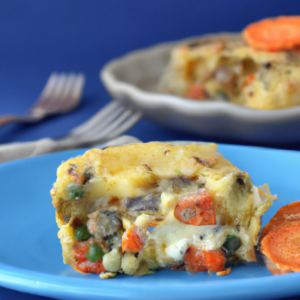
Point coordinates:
pixel 225 68
pixel 140 207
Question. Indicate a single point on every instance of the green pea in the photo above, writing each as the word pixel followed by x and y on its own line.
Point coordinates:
pixel 220 95
pixel 95 253
pixel 81 233
pixel 232 243
pixel 76 192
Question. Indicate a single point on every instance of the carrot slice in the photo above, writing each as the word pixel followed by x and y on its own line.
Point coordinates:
pixel 196 209
pixel 200 260
pixel 281 245
pixel 273 269
pixel 250 78
pixel 83 265
pixel 132 240
pixel 286 213
pixel 195 91
pixel 90 267
pixel 80 251
pixel 282 33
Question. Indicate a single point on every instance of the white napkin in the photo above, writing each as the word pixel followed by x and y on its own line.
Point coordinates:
pixel 29 149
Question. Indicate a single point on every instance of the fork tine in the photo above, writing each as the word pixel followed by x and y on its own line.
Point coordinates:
pixel 57 89
pixel 105 121
pixel 99 117
pixel 78 85
pixel 72 92
pixel 103 129
pixel 51 82
pixel 95 130
pixel 65 101
pixel 126 124
pixel 112 120
pixel 116 127
pixel 52 94
pixel 59 92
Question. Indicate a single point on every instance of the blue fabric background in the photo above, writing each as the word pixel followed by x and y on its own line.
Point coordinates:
pixel 39 37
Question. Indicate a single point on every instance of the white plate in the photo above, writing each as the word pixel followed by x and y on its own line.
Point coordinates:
pixel 133 79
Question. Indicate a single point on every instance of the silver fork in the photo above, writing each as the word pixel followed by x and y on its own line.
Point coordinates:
pixel 110 122
pixel 61 94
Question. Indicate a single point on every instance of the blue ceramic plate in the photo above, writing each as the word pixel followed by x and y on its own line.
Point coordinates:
pixel 30 252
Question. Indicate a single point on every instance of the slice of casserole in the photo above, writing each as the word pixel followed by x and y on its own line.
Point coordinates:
pixel 223 67
pixel 141 207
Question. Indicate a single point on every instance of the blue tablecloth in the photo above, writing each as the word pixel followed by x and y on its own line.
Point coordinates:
pixel 39 37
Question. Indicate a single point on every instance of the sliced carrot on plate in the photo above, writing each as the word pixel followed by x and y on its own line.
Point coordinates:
pixel 201 260
pixel 286 213
pixel 132 240
pixel 273 269
pixel 196 209
pixel 282 33
pixel 282 245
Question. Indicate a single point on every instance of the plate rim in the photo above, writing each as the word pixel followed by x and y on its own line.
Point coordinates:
pixel 51 285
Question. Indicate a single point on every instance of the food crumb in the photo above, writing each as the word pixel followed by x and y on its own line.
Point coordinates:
pixel 107 275
pixel 224 272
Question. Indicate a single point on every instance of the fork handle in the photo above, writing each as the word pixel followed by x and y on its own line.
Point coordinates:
pixel 29 149
pixel 8 119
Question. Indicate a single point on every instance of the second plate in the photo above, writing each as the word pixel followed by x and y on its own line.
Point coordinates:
pixel 133 79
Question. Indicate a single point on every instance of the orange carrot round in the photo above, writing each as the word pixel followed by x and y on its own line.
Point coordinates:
pixel 281 245
pixel 273 269
pixel 132 240
pixel 196 209
pixel 282 33
pixel 200 260
pixel 286 213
